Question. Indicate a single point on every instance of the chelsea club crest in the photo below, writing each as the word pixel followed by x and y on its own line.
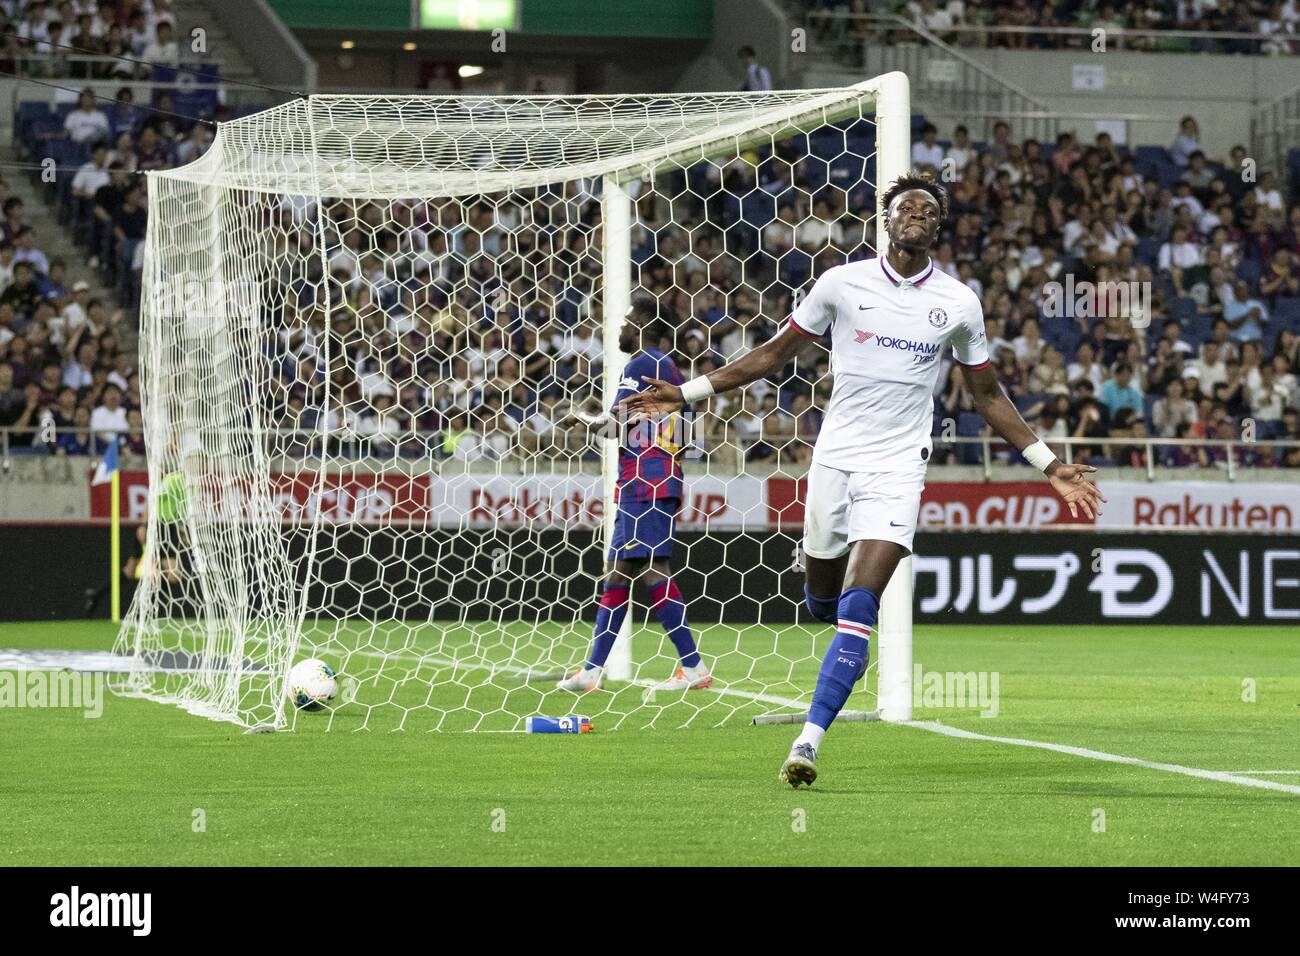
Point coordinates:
pixel 938 318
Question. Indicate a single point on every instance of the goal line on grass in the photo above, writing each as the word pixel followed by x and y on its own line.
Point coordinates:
pixel 536 674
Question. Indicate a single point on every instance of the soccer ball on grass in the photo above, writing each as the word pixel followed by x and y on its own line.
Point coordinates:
pixel 311 684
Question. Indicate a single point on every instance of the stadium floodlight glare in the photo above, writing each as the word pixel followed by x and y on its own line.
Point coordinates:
pixel 332 469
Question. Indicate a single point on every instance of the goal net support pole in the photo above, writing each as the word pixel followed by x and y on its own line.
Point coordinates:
pixel 616 210
pixel 894 627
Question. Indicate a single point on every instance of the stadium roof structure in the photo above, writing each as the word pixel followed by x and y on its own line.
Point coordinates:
pixel 400 146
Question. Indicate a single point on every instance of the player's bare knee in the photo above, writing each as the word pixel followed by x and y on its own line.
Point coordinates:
pixel 658 570
pixel 625 572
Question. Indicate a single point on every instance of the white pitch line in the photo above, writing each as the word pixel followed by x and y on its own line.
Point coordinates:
pixel 1262 773
pixel 1219 775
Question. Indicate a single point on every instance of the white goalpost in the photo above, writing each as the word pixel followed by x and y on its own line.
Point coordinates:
pixel 362 318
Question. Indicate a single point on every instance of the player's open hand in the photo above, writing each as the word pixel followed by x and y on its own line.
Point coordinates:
pixel 661 398
pixel 1077 490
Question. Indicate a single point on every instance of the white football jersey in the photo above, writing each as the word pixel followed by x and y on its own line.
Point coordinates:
pixel 887 334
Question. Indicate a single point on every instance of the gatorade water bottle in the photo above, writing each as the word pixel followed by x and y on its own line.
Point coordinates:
pixel 558 725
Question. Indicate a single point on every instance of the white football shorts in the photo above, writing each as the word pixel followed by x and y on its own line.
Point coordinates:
pixel 842 507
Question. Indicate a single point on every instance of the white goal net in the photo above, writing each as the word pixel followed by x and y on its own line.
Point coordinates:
pixel 364 319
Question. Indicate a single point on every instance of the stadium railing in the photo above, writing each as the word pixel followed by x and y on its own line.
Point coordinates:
pixel 1275 135
pixel 58 82
pixel 1238 454
pixel 974 88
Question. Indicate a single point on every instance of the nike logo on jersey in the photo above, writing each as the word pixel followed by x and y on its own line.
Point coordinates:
pixel 895 524
pixel 865 307
pixel 861 336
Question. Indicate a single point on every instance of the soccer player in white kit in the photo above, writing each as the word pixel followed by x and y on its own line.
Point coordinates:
pixel 889 318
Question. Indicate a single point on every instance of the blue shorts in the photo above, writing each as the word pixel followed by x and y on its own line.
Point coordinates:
pixel 644 529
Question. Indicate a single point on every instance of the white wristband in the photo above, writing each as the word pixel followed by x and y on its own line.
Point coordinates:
pixel 1039 455
pixel 696 389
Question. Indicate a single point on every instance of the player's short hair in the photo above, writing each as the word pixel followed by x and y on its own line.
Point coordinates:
pixel 648 317
pixel 917 180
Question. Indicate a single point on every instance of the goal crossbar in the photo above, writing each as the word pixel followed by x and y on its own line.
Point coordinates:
pixel 245 157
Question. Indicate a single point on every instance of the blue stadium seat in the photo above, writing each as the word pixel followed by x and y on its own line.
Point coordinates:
pixel 796 268
pixel 1168 176
pixel 757 207
pixel 44 126
pixel 861 137
pixel 970 424
pixel 847 169
pixel 1286 313
pixel 28 114
pixel 199 104
pixel 1156 155
pixel 1069 341
pixel 1025 402
pixel 817 172
pixel 1248 271
pixel 1197 329
pixel 1184 309
pixel 1148 251
pixel 1268 336
pixel 826 143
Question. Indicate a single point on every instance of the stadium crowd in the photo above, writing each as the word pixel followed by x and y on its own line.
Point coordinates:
pixel 1022 24
pixel 493 302
pixel 472 329
pixel 67 362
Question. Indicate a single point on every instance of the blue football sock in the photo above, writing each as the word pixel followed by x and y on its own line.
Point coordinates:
pixel 609 621
pixel 846 658
pixel 671 611
pixel 825 609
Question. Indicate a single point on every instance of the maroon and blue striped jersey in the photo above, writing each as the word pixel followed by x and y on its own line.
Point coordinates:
pixel 648 465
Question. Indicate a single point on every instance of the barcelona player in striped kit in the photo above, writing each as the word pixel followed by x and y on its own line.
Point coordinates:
pixel 648 493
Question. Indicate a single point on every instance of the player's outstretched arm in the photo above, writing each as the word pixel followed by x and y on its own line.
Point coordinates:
pixel 1068 480
pixel 767 359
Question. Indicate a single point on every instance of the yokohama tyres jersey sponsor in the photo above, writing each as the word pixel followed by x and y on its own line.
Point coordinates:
pixel 648 466
pixel 887 334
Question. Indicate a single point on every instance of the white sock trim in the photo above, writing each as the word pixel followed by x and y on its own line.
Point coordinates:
pixel 811 734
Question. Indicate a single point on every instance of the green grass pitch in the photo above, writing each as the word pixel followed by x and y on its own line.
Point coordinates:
pixel 128 787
